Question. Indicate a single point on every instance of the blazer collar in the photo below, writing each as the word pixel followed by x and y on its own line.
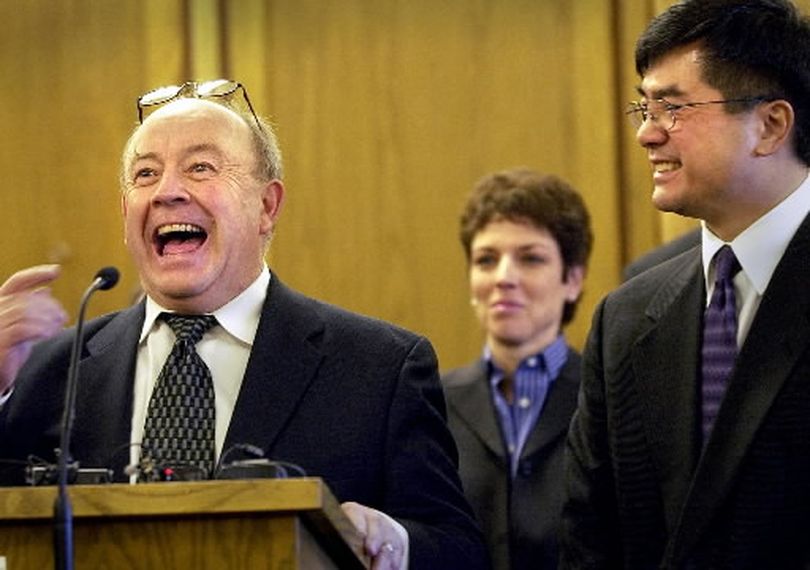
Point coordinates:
pixel 282 364
pixel 667 377
pixel 473 403
pixel 104 392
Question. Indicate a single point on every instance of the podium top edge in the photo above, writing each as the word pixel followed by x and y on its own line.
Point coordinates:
pixel 174 498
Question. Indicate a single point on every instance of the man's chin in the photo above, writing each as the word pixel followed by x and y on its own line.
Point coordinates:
pixel 171 291
pixel 665 201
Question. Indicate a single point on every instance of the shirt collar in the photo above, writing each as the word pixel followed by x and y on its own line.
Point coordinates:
pixel 760 247
pixel 239 316
pixel 552 358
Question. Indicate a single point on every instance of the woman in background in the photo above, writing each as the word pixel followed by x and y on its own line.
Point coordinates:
pixel 527 239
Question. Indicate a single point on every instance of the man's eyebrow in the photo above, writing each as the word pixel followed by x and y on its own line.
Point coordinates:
pixel 143 156
pixel 660 93
pixel 201 147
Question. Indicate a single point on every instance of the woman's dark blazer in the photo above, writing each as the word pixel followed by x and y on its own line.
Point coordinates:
pixel 519 517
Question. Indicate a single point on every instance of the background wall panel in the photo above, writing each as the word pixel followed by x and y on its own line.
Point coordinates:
pixel 388 112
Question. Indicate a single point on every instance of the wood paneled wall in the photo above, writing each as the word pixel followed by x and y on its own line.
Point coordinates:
pixel 387 111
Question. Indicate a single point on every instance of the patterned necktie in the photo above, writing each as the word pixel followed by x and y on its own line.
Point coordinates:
pixel 719 336
pixel 179 428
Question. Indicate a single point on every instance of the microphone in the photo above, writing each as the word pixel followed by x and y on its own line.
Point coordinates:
pixel 258 466
pixel 105 278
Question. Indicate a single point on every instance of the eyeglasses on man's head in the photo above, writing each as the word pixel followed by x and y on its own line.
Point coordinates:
pixel 665 114
pixel 215 89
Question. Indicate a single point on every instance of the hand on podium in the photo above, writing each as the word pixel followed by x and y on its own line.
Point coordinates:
pixel 384 539
pixel 28 313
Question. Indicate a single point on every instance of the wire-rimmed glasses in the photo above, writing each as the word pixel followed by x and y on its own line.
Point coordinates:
pixel 665 114
pixel 213 89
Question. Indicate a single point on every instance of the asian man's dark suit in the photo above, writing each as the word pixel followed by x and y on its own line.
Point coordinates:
pixel 347 398
pixel 641 495
pixel 519 517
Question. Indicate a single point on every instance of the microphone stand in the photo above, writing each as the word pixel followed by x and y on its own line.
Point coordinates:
pixel 62 508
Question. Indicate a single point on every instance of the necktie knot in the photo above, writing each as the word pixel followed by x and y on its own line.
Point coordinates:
pixel 726 265
pixel 189 328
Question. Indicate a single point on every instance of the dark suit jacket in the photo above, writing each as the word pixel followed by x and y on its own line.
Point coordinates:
pixel 519 518
pixel 641 494
pixel 348 398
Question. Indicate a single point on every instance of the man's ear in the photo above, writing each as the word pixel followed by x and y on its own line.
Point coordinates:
pixel 776 125
pixel 272 199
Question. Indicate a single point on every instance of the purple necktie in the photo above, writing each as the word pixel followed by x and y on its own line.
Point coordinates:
pixel 719 336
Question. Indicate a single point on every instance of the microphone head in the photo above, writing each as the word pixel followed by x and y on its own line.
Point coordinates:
pixel 108 277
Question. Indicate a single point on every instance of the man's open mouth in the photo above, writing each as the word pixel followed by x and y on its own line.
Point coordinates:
pixel 171 239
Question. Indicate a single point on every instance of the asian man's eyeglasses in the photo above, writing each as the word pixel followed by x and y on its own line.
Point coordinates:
pixel 665 114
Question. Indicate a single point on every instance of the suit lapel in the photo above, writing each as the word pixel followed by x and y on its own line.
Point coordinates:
pixel 104 393
pixel 776 340
pixel 667 380
pixel 474 405
pixel 283 362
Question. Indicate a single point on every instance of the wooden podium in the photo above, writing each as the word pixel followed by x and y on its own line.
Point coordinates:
pixel 253 524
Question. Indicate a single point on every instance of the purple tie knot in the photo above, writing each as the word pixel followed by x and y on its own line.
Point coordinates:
pixel 725 264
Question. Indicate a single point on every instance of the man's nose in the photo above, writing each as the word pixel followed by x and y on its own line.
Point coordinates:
pixel 170 189
pixel 651 133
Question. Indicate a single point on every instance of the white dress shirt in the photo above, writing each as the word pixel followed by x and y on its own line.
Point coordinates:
pixel 225 349
pixel 758 249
